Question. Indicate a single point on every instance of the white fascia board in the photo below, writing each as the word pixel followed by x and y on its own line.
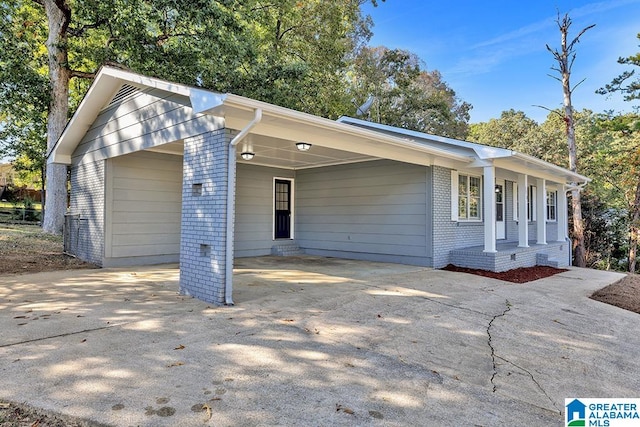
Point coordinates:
pixel 107 81
pixel 554 169
pixel 249 104
pixel 138 79
pixel 482 151
pixel 104 87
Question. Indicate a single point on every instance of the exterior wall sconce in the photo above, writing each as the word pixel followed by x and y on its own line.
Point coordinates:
pixel 303 146
pixel 247 155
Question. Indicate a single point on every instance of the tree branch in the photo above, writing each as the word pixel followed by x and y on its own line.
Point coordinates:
pixel 549 110
pixel 77 32
pixel 81 74
pixel 578 84
pixel 576 39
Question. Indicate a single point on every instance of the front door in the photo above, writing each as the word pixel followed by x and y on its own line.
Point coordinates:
pixel 282 204
pixel 500 213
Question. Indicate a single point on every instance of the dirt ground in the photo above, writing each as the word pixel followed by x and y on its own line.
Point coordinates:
pixel 26 249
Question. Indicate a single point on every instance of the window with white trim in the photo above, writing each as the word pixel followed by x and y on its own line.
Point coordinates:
pixel 469 197
pixel 551 206
pixel 531 202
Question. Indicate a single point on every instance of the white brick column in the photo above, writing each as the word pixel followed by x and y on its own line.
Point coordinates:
pixel 489 209
pixel 541 221
pixel 523 223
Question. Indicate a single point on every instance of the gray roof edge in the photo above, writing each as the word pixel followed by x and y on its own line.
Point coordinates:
pixel 483 152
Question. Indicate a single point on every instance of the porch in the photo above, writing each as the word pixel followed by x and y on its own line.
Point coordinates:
pixel 509 255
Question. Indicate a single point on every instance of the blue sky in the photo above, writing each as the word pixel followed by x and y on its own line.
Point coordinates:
pixel 493 53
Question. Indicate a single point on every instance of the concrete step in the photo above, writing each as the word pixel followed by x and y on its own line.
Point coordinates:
pixel 543 259
pixel 286 249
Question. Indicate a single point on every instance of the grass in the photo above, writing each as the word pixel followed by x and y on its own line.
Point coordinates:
pixel 10 205
pixel 14 211
pixel 27 239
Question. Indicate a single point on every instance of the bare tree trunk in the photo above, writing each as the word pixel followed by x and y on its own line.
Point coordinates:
pixel 565 58
pixel 58 15
pixel 634 234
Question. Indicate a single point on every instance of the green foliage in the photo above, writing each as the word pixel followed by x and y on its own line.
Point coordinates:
pixel 606 233
pixel 289 53
pixel 625 83
pixel 405 94
pixel 512 130
pixel 24 87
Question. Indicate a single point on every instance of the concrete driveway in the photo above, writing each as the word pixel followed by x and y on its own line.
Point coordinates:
pixel 313 341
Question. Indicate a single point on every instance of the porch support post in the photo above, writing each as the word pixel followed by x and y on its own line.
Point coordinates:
pixel 523 223
pixel 489 209
pixel 563 214
pixel 541 202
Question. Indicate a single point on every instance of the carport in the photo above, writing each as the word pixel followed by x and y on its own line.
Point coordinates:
pixel 163 172
pixel 253 175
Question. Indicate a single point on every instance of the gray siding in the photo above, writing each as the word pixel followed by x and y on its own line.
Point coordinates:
pixel 373 210
pixel 254 209
pixel 143 120
pixel 87 203
pixel 144 199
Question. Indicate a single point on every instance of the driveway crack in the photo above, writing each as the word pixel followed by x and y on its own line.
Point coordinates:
pixel 495 357
pixel 490 342
pixel 532 379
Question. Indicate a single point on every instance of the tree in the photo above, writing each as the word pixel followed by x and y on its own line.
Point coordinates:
pixel 512 130
pixel 24 89
pixel 565 58
pixel 289 53
pixel 630 88
pixel 405 94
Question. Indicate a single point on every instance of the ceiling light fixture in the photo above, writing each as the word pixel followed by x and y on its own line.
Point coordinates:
pixel 303 146
pixel 247 155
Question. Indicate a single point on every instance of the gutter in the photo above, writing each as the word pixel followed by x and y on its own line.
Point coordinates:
pixel 231 205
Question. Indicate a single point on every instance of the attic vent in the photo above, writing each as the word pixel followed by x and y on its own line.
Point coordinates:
pixel 125 92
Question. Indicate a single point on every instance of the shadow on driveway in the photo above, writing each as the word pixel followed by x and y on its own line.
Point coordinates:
pixel 313 341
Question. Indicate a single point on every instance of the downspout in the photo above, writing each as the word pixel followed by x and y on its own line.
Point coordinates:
pixel 231 205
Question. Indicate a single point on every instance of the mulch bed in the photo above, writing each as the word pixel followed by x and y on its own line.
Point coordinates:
pixel 625 293
pixel 517 275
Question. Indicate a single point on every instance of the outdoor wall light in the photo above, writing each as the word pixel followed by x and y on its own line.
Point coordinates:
pixel 303 146
pixel 247 155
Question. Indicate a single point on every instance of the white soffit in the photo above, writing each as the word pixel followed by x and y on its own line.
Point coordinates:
pixel 283 123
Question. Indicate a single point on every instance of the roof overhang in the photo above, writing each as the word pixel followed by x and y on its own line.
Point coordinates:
pixel 484 155
pixel 277 122
pixel 273 138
